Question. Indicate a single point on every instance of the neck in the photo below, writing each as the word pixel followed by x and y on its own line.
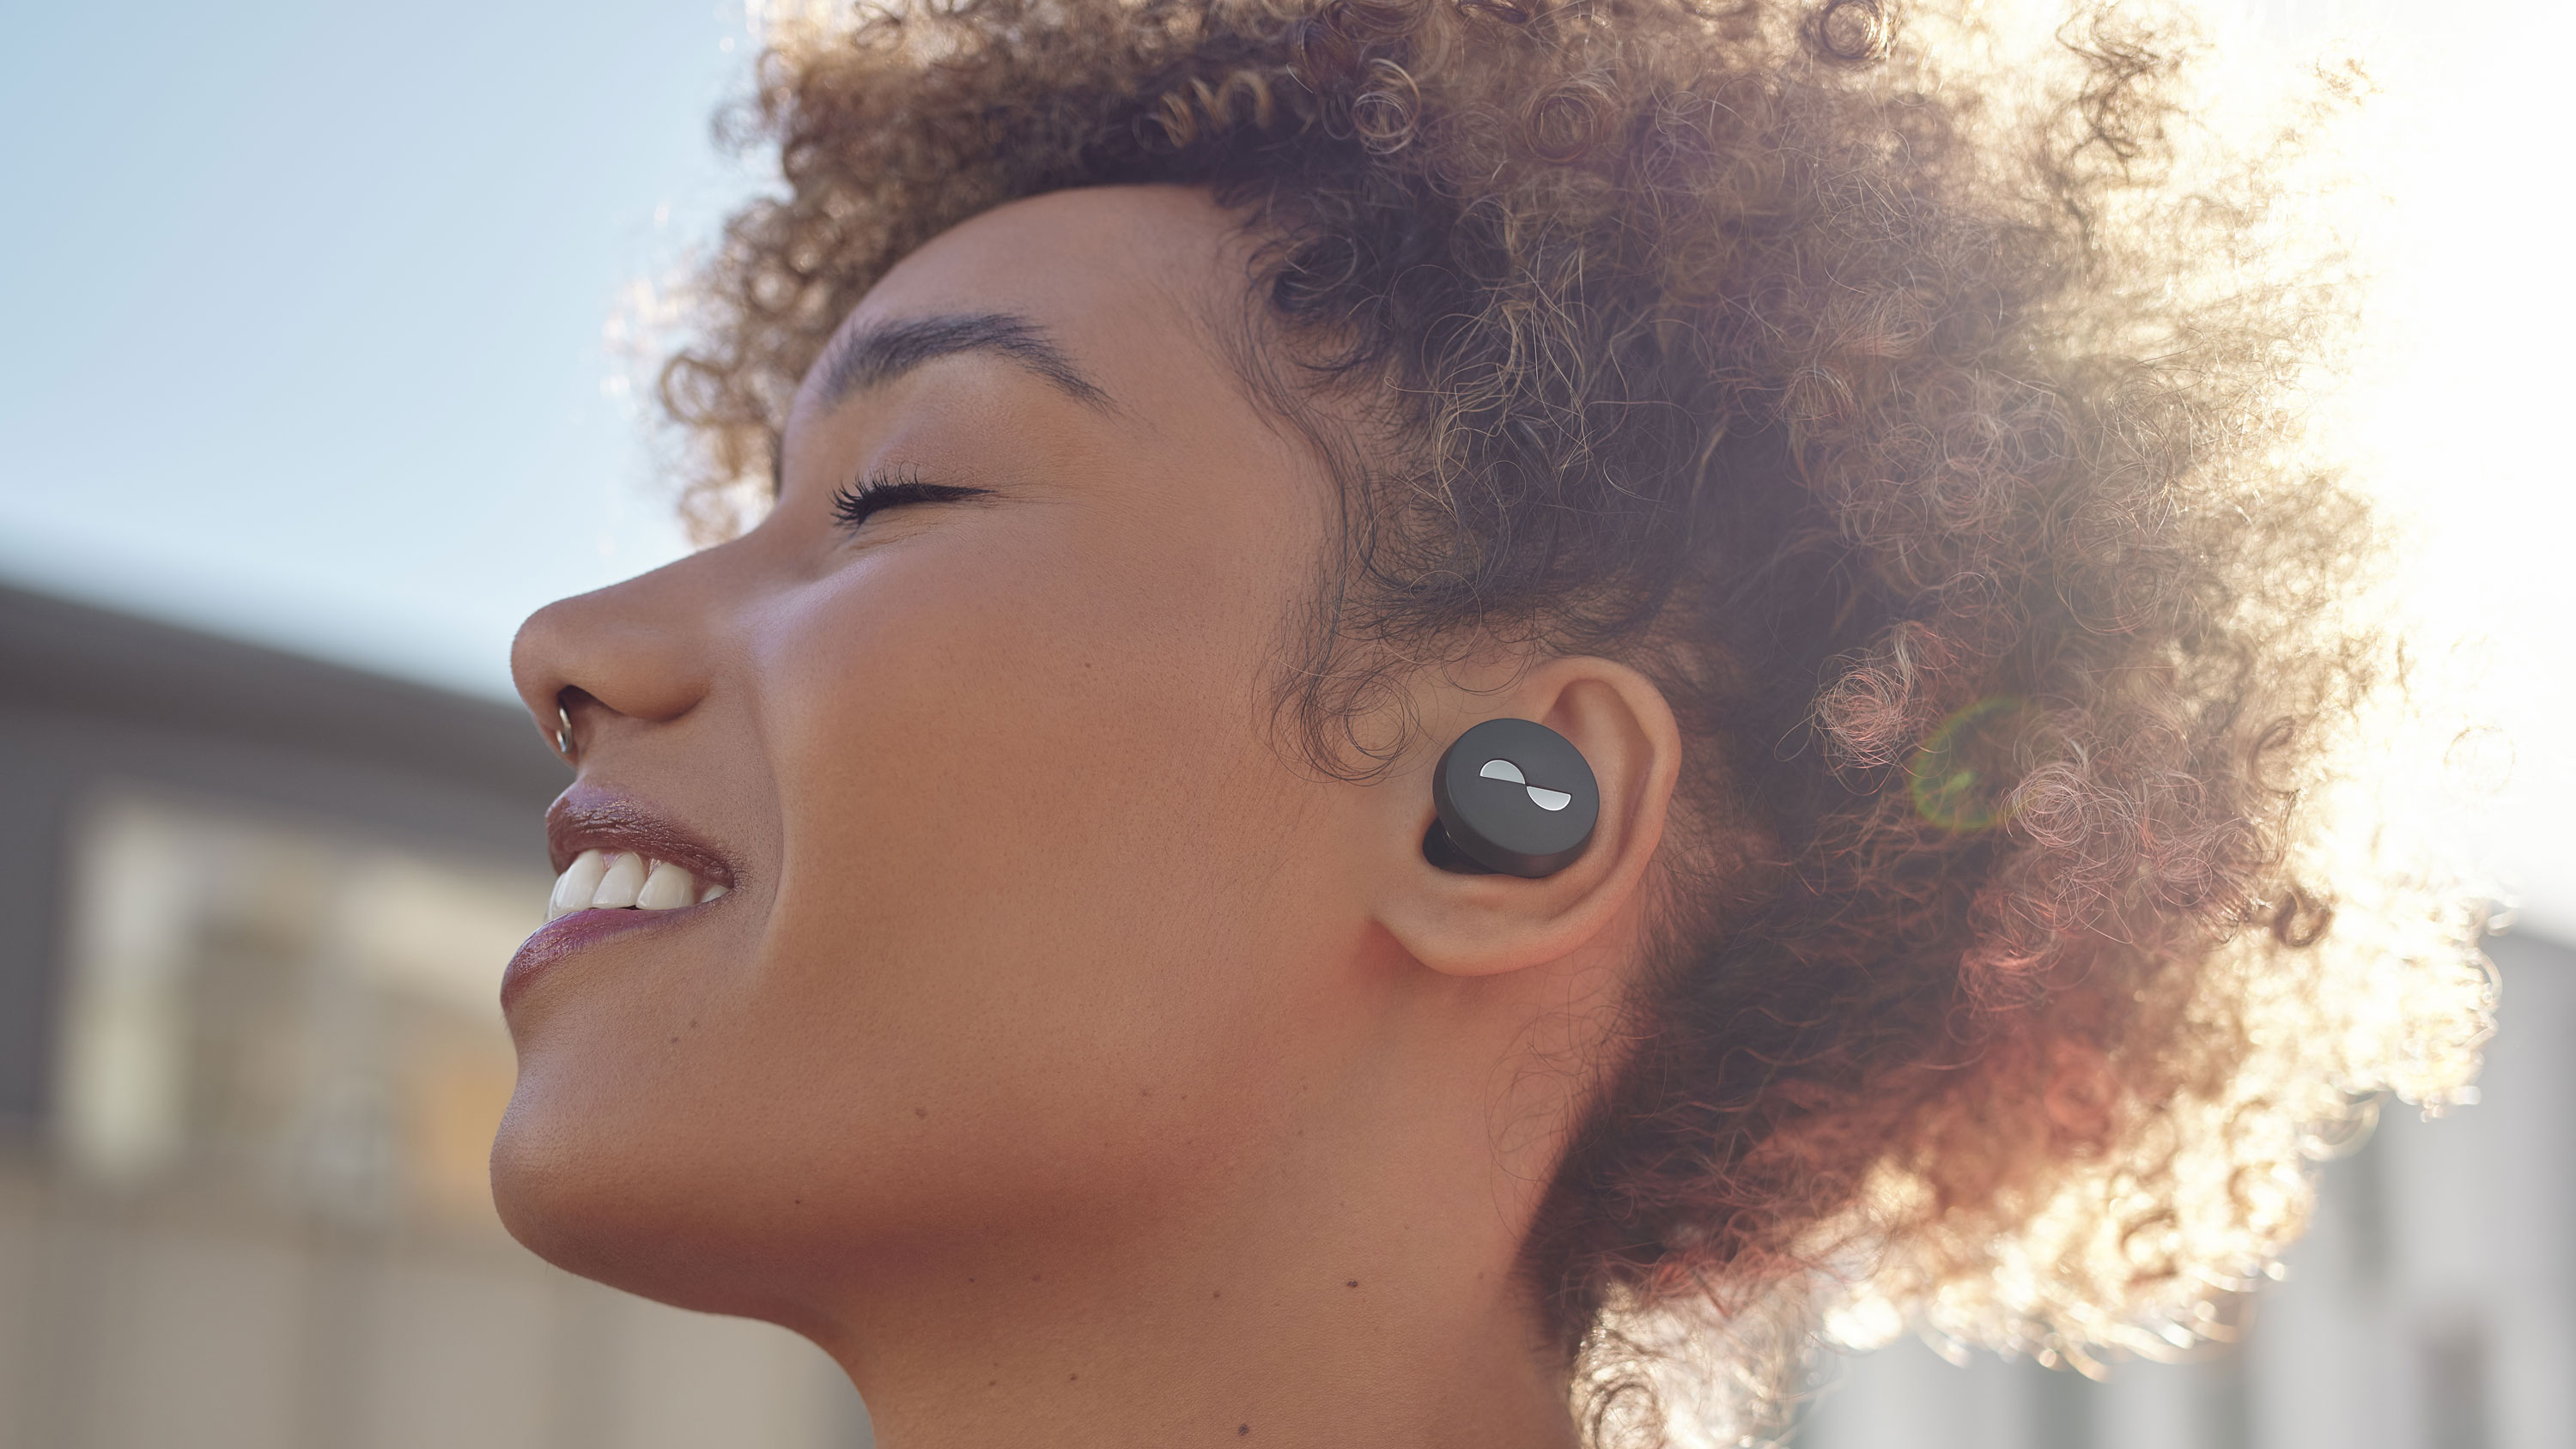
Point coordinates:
pixel 1308 1309
pixel 1331 1265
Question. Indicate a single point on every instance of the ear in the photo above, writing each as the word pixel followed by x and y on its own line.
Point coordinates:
pixel 1483 925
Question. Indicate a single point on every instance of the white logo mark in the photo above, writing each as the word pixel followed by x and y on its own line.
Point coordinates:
pixel 1540 796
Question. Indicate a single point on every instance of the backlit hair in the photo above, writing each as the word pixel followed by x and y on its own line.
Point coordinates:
pixel 1926 403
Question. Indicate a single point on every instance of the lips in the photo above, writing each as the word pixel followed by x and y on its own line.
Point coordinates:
pixel 593 817
pixel 623 868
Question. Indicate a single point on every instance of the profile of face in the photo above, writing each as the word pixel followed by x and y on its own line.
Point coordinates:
pixel 1046 960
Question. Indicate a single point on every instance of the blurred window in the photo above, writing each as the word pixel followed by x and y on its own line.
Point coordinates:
pixel 286 1013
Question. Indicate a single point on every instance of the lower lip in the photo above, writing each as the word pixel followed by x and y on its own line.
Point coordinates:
pixel 565 935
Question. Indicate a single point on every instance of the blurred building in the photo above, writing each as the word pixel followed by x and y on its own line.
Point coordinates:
pixel 253 911
pixel 252 915
pixel 2432 1304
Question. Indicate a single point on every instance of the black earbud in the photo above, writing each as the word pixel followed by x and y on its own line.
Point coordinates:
pixel 1515 798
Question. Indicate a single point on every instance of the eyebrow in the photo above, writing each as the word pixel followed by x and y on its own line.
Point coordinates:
pixel 886 351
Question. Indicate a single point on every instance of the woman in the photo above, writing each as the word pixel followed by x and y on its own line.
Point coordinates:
pixel 1007 934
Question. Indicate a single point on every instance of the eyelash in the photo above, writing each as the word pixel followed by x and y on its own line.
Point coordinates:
pixel 852 505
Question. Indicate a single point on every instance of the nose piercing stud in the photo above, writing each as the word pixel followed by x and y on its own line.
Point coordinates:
pixel 563 734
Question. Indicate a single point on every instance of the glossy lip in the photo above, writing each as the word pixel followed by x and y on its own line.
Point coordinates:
pixel 595 817
pixel 565 935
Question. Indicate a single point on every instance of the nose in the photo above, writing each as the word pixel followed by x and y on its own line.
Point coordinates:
pixel 632 653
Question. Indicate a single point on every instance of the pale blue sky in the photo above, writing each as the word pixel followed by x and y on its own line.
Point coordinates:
pixel 304 307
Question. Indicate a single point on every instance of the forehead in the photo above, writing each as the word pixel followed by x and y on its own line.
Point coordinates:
pixel 1130 280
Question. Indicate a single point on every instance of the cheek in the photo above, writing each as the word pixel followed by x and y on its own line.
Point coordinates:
pixel 1039 880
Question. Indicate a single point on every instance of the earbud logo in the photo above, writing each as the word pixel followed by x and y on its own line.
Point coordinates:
pixel 1540 795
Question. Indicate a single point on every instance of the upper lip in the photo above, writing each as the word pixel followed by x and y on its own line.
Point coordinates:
pixel 594 817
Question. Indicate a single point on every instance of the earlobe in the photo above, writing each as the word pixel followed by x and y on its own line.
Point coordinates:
pixel 1512 872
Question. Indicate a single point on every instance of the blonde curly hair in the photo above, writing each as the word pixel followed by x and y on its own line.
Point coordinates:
pixel 1931 413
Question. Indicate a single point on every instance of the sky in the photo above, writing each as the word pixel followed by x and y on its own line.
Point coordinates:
pixel 308 308
pixel 313 318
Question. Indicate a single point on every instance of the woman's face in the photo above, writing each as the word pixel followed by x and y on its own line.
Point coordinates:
pixel 1028 904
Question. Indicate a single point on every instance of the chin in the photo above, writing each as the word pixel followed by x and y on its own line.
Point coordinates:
pixel 636 1219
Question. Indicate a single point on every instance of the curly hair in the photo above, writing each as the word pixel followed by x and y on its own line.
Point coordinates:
pixel 1931 414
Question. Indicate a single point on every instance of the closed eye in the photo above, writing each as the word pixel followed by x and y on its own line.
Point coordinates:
pixel 852 505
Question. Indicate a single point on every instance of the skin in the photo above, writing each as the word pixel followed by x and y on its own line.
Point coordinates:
pixel 1071 1060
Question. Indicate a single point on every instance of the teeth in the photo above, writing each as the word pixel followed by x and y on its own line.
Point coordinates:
pixel 618 879
pixel 573 889
pixel 665 887
pixel 617 888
